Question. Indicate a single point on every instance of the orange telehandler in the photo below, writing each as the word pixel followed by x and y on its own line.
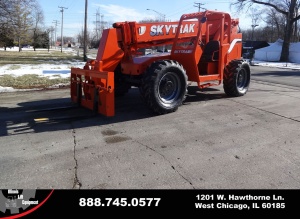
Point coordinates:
pixel 206 49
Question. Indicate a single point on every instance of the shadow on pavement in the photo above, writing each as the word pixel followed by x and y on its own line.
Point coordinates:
pixel 277 72
pixel 60 114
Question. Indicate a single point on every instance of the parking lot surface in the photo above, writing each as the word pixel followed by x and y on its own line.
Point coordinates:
pixel 211 142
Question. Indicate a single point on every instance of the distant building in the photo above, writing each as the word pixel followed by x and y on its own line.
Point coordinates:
pixel 250 46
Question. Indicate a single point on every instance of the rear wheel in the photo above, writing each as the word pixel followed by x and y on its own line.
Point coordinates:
pixel 164 86
pixel 236 78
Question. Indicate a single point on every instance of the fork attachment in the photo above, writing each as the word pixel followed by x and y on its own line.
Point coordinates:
pixel 93 88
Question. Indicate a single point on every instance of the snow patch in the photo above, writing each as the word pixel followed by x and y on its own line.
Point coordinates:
pixel 268 56
pixel 272 53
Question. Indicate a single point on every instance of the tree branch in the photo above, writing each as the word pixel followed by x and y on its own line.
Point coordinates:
pixel 295 19
pixel 271 5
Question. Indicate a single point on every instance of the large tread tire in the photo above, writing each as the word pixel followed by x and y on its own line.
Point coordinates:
pixel 237 77
pixel 164 86
pixel 121 87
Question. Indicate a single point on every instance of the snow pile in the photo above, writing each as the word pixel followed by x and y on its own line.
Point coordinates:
pixel 286 65
pixel 272 53
pixel 10 89
pixel 268 56
pixel 295 53
pixel 48 70
pixel 59 69
pixel 6 89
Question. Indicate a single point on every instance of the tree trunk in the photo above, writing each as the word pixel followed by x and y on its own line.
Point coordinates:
pixel 284 57
pixel 20 47
pixel 34 40
pixel 288 32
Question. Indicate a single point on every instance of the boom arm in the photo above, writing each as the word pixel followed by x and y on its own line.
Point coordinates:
pixel 133 36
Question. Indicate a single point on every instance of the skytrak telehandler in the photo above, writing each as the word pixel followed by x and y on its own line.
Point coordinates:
pixel 206 49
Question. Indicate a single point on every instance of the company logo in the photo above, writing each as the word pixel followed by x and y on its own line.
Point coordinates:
pixel 14 200
pixel 157 30
pixel 183 51
pixel 142 30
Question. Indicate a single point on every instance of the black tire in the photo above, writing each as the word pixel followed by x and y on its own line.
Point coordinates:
pixel 164 86
pixel 121 86
pixel 236 78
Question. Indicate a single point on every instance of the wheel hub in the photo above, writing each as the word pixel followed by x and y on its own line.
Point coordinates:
pixel 242 79
pixel 167 88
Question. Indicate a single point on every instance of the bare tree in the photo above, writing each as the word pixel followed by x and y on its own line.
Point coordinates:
pixel 5 8
pixel 21 16
pixel 80 38
pixel 255 15
pixel 276 22
pixel 149 20
pixel 286 7
pixel 38 19
pixel 296 30
pixel 6 34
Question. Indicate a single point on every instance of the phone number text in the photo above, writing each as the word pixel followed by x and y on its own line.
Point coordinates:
pixel 119 202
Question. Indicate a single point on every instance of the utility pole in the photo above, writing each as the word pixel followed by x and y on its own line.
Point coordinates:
pixel 198 5
pixel 101 25
pixel 97 23
pixel 51 29
pixel 85 32
pixel 162 16
pixel 56 22
pixel 62 25
pixel 48 35
pixel 253 26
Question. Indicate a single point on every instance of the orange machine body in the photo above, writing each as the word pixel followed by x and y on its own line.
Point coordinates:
pixel 203 43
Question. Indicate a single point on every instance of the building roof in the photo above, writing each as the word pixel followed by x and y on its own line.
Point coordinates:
pixel 255 44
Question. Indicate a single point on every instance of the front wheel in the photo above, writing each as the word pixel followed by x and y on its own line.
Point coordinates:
pixel 236 78
pixel 164 86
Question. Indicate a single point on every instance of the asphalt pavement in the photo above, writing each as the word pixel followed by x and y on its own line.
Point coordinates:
pixel 275 75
